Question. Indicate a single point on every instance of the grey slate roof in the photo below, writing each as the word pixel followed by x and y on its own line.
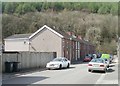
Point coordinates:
pixel 63 33
pixel 18 36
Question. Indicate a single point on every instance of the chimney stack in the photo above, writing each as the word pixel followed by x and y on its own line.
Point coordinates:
pixel 79 37
pixel 69 33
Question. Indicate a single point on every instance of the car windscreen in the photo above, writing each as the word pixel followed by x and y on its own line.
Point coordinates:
pixel 57 59
pixel 97 60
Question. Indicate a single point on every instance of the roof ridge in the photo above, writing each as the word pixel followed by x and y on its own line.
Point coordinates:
pixel 49 28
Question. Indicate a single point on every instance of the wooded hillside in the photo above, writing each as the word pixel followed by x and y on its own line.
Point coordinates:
pixel 94 7
pixel 95 22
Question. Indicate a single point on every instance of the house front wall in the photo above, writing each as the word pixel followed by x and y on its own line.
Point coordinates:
pixel 82 50
pixel 46 41
pixel 16 45
pixel 71 49
pixel 78 50
pixel 67 48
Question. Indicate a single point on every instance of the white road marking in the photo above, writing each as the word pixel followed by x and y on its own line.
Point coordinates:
pixel 100 79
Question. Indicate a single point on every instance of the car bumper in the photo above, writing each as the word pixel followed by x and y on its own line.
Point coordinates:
pixel 86 60
pixel 96 68
pixel 52 67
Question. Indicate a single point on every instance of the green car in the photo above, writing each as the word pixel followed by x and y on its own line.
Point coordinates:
pixel 106 57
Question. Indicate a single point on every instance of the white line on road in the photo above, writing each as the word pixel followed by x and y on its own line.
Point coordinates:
pixel 100 79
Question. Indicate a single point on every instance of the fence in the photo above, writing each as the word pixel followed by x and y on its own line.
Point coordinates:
pixel 28 59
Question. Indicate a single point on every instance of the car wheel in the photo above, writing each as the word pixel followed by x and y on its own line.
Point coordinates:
pixel 110 62
pixel 89 70
pixel 60 66
pixel 48 68
pixel 68 65
pixel 105 70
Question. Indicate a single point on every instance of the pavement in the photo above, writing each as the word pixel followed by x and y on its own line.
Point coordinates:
pixel 6 76
pixel 115 59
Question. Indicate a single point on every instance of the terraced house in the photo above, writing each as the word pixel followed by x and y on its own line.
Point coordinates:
pixel 47 39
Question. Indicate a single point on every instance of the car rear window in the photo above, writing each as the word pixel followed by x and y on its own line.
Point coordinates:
pixel 97 60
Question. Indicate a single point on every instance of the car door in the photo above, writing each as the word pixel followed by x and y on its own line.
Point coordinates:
pixel 65 62
pixel 105 63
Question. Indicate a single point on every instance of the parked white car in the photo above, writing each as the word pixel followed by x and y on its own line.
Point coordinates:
pixel 58 63
pixel 97 64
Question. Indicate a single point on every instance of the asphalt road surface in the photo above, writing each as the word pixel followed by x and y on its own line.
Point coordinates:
pixel 76 74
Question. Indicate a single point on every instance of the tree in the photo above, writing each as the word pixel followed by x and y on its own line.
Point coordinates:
pixel 10 7
pixel 94 7
pixel 37 6
pixel 114 9
pixel 58 6
pixel 24 8
pixel 103 10
pixel 19 9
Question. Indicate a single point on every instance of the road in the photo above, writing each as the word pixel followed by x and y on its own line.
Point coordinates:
pixel 76 74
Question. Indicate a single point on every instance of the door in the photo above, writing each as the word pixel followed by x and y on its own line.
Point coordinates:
pixel 65 62
pixel 54 55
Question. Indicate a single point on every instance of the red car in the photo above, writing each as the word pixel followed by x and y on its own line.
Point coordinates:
pixel 87 59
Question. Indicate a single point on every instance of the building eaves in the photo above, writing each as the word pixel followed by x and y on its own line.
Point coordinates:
pixel 18 36
pixel 45 26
